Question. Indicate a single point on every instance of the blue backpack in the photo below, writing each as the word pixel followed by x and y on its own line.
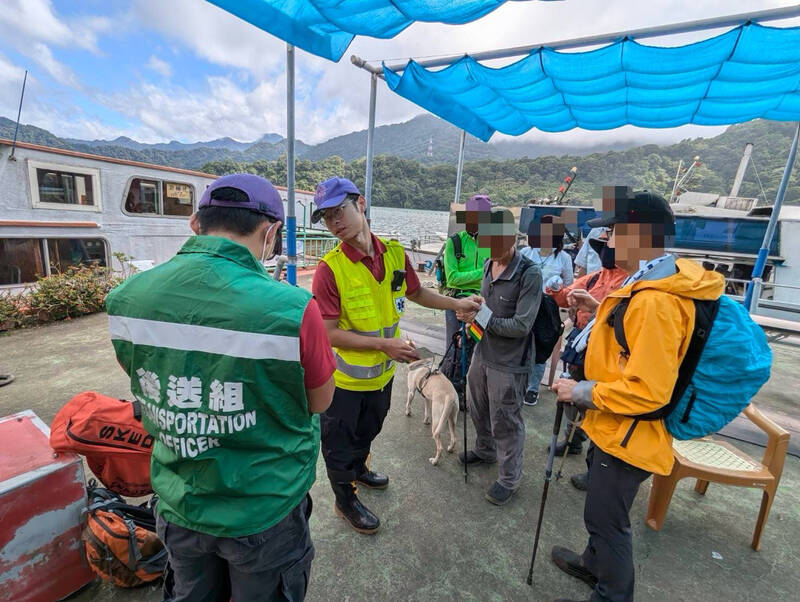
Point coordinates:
pixel 727 362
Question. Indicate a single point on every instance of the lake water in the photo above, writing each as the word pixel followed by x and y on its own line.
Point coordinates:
pixel 406 224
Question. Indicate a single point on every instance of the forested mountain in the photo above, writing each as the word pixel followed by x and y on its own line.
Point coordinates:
pixel 511 172
pixel 402 182
pixel 412 139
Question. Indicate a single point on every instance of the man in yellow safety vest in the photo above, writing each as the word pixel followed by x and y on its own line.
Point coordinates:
pixel 361 287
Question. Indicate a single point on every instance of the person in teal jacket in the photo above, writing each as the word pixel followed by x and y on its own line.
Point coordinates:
pixel 464 273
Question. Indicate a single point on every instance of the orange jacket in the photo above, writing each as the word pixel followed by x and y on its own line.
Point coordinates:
pixel 658 326
pixel 607 281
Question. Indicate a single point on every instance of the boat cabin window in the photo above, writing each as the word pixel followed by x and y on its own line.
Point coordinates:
pixel 55 186
pixel 24 260
pixel 158 197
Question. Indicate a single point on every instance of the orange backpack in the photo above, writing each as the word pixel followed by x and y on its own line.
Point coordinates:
pixel 109 433
pixel 120 540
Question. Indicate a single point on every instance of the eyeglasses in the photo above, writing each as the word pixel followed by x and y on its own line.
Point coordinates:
pixel 329 216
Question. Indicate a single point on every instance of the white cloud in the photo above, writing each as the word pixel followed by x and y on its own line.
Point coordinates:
pixel 223 108
pixel 57 70
pixel 161 67
pixel 212 34
pixel 22 20
pixel 332 98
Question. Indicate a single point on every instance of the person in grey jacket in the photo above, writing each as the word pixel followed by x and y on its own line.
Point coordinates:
pixel 498 375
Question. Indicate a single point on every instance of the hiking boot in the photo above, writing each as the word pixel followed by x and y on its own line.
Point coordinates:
pixel 473 458
pixel 575 448
pixel 350 508
pixel 570 562
pixel 6 379
pixel 580 481
pixel 373 480
pixel 499 495
pixel 531 398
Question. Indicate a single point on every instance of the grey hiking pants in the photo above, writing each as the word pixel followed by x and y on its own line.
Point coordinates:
pixel 495 402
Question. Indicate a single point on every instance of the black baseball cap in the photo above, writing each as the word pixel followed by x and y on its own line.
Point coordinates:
pixel 639 207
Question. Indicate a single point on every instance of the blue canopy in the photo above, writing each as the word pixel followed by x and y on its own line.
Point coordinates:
pixel 750 72
pixel 326 27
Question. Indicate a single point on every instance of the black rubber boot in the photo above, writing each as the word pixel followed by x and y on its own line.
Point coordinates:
pixel 373 480
pixel 350 508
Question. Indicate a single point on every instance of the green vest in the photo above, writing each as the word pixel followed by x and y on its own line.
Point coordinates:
pixel 211 343
pixel 368 308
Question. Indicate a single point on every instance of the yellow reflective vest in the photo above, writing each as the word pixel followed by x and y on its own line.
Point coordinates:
pixel 369 308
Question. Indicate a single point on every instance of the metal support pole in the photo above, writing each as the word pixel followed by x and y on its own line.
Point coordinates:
pixel 754 288
pixel 785 12
pixel 291 220
pixel 11 157
pixel 460 169
pixel 373 87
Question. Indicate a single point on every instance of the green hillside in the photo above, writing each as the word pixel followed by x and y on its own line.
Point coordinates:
pixel 408 183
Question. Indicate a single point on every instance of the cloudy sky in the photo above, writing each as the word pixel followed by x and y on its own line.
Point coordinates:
pixel 159 70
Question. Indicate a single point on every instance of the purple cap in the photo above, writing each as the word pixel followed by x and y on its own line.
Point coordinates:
pixel 479 202
pixel 244 191
pixel 331 193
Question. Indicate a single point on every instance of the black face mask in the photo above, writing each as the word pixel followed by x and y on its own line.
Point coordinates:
pixel 606 253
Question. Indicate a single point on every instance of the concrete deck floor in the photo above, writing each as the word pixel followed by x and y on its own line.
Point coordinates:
pixel 440 539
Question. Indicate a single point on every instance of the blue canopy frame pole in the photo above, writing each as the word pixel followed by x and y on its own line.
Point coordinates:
pixel 373 88
pixel 291 220
pixel 772 14
pixel 460 169
pixel 754 287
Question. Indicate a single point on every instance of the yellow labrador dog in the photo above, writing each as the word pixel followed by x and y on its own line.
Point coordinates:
pixel 441 402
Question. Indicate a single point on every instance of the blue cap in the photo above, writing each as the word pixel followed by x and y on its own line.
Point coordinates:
pixel 331 193
pixel 244 191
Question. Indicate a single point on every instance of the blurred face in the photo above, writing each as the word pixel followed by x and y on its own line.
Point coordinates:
pixel 500 247
pixel 632 244
pixel 472 220
pixel 346 220
pixel 544 235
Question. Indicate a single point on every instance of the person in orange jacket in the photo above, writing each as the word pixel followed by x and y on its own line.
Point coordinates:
pixel 587 292
pixel 659 322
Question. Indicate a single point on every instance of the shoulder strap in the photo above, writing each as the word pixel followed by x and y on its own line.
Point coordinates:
pixel 458 246
pixel 705 314
pixel 592 281
pixel 616 319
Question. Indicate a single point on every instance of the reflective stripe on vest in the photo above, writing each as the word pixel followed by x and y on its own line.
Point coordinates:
pixel 363 372
pixel 388 332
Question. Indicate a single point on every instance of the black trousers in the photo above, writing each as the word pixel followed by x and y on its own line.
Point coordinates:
pixel 613 485
pixel 273 565
pixel 348 428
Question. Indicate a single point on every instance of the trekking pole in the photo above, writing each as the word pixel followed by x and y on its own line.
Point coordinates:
pixel 464 380
pixel 548 475
pixel 573 427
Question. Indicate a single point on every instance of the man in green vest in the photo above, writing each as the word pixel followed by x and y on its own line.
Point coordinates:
pixel 361 287
pixel 464 259
pixel 230 368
